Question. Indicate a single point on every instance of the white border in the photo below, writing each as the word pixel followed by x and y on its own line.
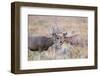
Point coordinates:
pixel 25 64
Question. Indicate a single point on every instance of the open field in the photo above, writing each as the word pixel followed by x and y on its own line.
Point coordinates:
pixel 41 26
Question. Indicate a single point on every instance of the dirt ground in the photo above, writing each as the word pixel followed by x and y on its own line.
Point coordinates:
pixel 40 26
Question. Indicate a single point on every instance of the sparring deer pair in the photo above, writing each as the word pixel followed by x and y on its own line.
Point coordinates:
pixel 41 43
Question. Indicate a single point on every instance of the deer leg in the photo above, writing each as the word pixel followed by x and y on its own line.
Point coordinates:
pixel 40 50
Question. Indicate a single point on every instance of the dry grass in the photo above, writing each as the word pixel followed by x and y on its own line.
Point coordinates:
pixel 40 25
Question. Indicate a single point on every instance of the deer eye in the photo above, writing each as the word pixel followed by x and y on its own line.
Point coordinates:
pixel 57 37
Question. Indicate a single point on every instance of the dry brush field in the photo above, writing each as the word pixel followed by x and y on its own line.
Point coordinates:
pixel 40 26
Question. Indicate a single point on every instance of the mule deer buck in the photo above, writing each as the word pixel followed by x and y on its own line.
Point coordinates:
pixel 40 43
pixel 74 40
